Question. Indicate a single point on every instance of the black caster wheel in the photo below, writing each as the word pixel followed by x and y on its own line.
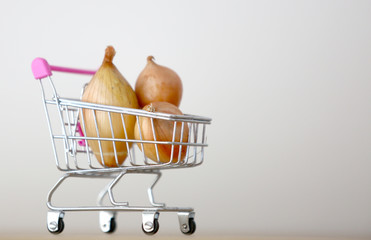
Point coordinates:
pixel 151 228
pixel 112 227
pixel 191 227
pixel 56 228
pixel 107 221
pixel 186 222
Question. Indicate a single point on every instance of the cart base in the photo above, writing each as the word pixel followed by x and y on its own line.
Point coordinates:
pixel 107 220
pixel 107 213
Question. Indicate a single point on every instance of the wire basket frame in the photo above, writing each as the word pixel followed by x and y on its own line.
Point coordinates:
pixel 71 142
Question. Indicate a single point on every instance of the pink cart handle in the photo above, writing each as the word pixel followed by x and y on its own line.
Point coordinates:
pixel 71 70
pixel 41 69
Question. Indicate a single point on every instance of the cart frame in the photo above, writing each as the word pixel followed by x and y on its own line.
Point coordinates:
pixel 73 143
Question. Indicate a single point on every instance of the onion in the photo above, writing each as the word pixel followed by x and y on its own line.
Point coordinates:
pixel 109 87
pixel 157 83
pixel 164 132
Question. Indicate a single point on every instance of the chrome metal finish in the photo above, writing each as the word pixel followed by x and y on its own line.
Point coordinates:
pixel 150 191
pixel 110 194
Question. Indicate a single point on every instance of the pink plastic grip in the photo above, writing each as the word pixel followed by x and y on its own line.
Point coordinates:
pixel 40 68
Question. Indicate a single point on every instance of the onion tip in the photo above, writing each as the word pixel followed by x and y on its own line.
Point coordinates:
pixel 150 58
pixel 109 54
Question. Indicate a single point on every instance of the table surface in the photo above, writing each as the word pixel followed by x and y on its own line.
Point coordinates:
pixel 159 236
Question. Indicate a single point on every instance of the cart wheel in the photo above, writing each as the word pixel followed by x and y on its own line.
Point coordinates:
pixel 107 221
pixel 55 223
pixel 186 222
pixel 191 227
pixel 112 226
pixel 56 228
pixel 150 229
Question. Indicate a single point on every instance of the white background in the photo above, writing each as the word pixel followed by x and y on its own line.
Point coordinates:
pixel 287 84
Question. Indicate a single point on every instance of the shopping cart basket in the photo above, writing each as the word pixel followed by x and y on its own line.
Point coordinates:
pixel 75 159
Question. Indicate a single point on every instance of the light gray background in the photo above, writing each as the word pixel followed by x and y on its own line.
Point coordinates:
pixel 287 84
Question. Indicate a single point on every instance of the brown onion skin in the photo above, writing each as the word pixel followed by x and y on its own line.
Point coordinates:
pixel 158 83
pixel 164 132
pixel 108 86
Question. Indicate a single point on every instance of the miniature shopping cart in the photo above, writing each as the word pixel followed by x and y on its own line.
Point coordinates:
pixel 75 159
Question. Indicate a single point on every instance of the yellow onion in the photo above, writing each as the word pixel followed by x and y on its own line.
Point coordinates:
pixel 158 83
pixel 164 132
pixel 108 86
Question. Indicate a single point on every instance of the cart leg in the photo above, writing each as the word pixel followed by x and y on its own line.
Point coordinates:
pixel 102 194
pixel 54 188
pixel 55 222
pixel 150 191
pixel 186 222
pixel 110 194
